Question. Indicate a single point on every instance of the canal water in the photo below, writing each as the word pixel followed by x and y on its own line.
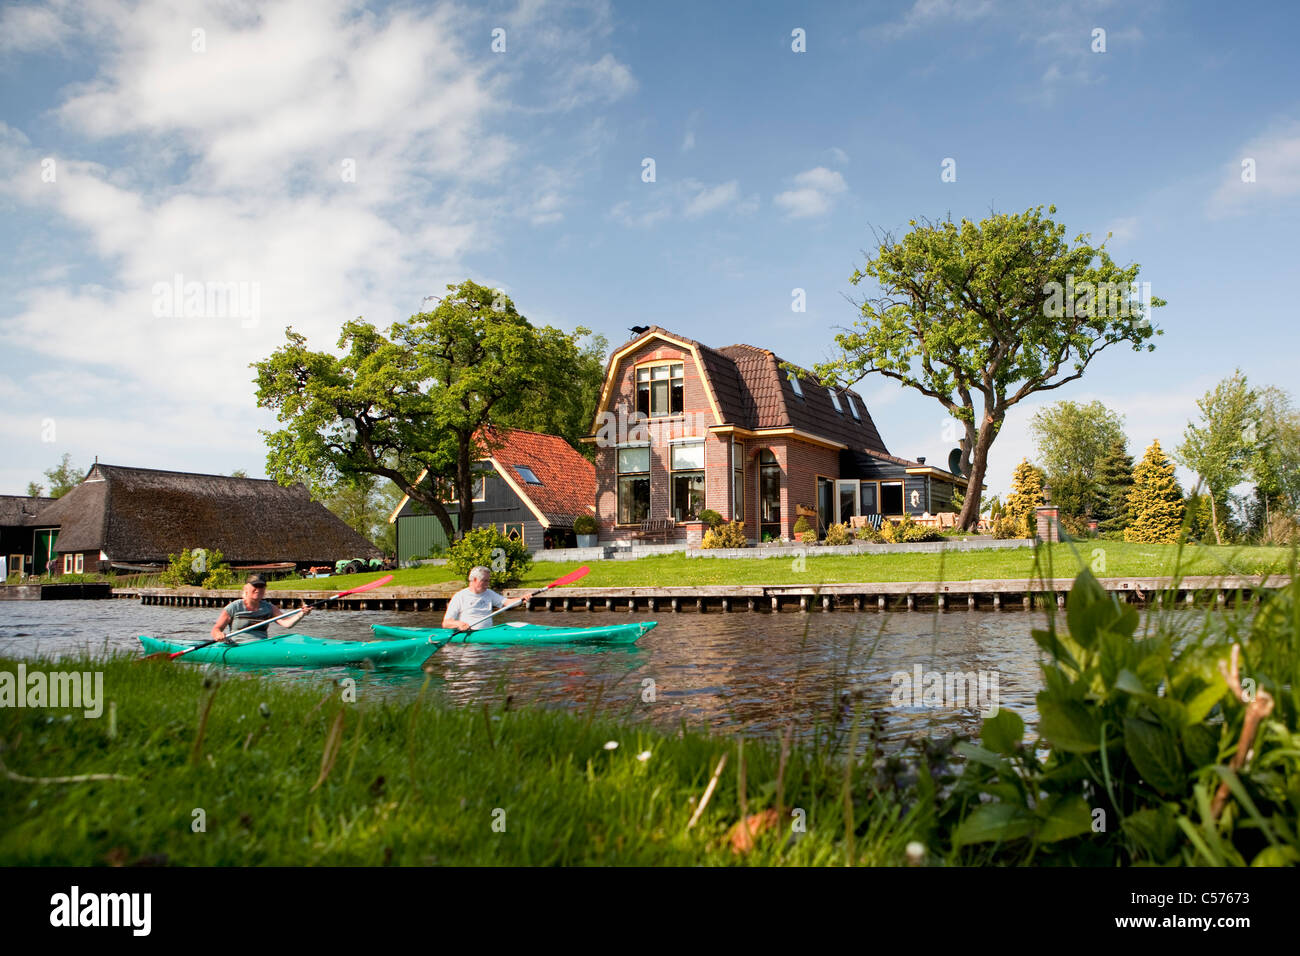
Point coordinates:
pixel 750 673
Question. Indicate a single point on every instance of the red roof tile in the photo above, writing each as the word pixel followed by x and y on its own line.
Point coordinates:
pixel 568 481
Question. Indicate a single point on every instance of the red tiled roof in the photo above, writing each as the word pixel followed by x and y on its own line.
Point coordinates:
pixel 568 481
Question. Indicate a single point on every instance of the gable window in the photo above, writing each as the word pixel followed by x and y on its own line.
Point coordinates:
pixel 447 490
pixel 633 485
pixel 660 390
pixel 688 480
pixel 527 475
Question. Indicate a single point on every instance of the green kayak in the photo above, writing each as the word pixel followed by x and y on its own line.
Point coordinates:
pixel 523 633
pixel 299 650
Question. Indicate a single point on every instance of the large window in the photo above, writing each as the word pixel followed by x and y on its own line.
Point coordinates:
pixel 891 497
pixel 633 485
pixel 769 496
pixel 737 481
pixel 868 493
pixel 660 390
pixel 688 480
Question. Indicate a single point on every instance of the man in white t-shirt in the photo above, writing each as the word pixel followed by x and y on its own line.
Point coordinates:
pixel 470 606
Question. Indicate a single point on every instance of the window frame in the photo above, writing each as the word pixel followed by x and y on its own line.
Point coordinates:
pixel 691 473
pixel 676 387
pixel 620 475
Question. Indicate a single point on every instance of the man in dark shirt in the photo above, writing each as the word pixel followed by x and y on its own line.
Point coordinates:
pixel 251 608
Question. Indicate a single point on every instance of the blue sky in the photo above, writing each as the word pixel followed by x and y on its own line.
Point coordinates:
pixel 346 159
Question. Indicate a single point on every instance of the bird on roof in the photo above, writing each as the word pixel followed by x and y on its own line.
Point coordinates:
pixel 639 329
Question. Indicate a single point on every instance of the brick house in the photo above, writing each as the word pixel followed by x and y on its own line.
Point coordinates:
pixel 681 427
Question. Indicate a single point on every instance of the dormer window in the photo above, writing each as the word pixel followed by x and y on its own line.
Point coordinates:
pixel 660 390
pixel 794 383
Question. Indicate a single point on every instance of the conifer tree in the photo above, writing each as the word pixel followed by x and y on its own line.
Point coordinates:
pixel 1156 500
pixel 1026 495
pixel 1114 481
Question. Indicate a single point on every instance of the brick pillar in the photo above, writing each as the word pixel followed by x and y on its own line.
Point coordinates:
pixel 694 533
pixel 1049 523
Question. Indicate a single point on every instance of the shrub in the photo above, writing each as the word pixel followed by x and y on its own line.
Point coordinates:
pixel 1026 492
pixel 585 524
pixel 837 534
pixel 200 567
pixel 1076 525
pixel 1155 500
pixel 487 546
pixel 729 534
pixel 710 517
pixel 909 531
pixel 1145 729
pixel 801 525
pixel 1010 526
pixel 808 537
pixel 868 533
pixel 889 532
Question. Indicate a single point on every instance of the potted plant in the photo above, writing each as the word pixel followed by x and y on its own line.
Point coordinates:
pixel 586 528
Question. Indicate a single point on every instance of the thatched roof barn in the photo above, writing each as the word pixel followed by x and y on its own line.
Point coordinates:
pixel 139 516
pixel 19 519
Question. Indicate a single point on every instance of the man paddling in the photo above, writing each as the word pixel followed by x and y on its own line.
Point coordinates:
pixel 251 608
pixel 469 607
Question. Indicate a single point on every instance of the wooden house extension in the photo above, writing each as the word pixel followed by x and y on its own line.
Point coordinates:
pixel 681 427
pixel 122 518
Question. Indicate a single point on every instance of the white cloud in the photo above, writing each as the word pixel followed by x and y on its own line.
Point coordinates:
pixel 1276 155
pixel 604 81
pixel 930 13
pixel 712 199
pixel 812 197
pixel 838 156
pixel 688 142
pixel 25 29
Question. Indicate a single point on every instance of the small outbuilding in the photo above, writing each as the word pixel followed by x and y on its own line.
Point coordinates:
pixel 23 546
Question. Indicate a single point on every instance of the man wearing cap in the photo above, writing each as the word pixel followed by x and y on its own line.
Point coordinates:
pixel 470 607
pixel 251 608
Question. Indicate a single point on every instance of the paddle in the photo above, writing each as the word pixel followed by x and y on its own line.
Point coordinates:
pixel 365 587
pixel 557 583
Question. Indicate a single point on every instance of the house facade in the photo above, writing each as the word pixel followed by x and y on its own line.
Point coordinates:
pixel 532 487
pixel 681 427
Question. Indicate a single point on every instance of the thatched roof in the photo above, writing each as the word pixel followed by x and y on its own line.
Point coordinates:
pixel 140 515
pixel 21 511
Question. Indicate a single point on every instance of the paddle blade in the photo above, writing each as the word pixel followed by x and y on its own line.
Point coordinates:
pixel 378 583
pixel 569 578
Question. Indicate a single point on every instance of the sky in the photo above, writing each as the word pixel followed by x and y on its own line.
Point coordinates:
pixel 314 161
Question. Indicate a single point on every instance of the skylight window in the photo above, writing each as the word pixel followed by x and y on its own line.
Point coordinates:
pixel 853 407
pixel 835 400
pixel 527 475
pixel 794 383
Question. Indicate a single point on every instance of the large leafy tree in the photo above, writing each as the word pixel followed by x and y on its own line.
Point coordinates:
pixel 1073 438
pixel 1274 466
pixel 364 505
pixel 424 396
pixel 63 477
pixel 1220 448
pixel 981 316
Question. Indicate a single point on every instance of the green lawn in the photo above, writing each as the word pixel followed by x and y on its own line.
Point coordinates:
pixel 1105 558
pixel 231 774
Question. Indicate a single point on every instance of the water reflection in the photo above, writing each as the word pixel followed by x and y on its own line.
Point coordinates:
pixel 740 672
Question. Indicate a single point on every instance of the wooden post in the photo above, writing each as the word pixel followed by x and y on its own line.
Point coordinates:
pixel 826 602
pixel 911 602
pixel 880 602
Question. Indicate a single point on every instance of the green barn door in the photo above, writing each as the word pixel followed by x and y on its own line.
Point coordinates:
pixel 44 552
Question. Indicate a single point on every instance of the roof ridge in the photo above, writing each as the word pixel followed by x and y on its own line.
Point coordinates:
pixel 164 471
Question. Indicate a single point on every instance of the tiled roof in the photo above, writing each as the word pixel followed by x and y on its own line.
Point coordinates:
pixel 753 392
pixel 568 481
pixel 143 515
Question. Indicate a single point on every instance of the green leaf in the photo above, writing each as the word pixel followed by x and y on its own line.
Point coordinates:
pixel 1071 725
pixel 1003 732
pixel 1153 830
pixel 1087 597
pixel 1128 682
pixel 1277 856
pixel 1201 744
pixel 1200 705
pixel 991 822
pixel 1155 755
pixel 1066 816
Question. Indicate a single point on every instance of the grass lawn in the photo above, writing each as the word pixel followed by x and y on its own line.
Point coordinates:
pixel 1105 558
pixel 246 772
